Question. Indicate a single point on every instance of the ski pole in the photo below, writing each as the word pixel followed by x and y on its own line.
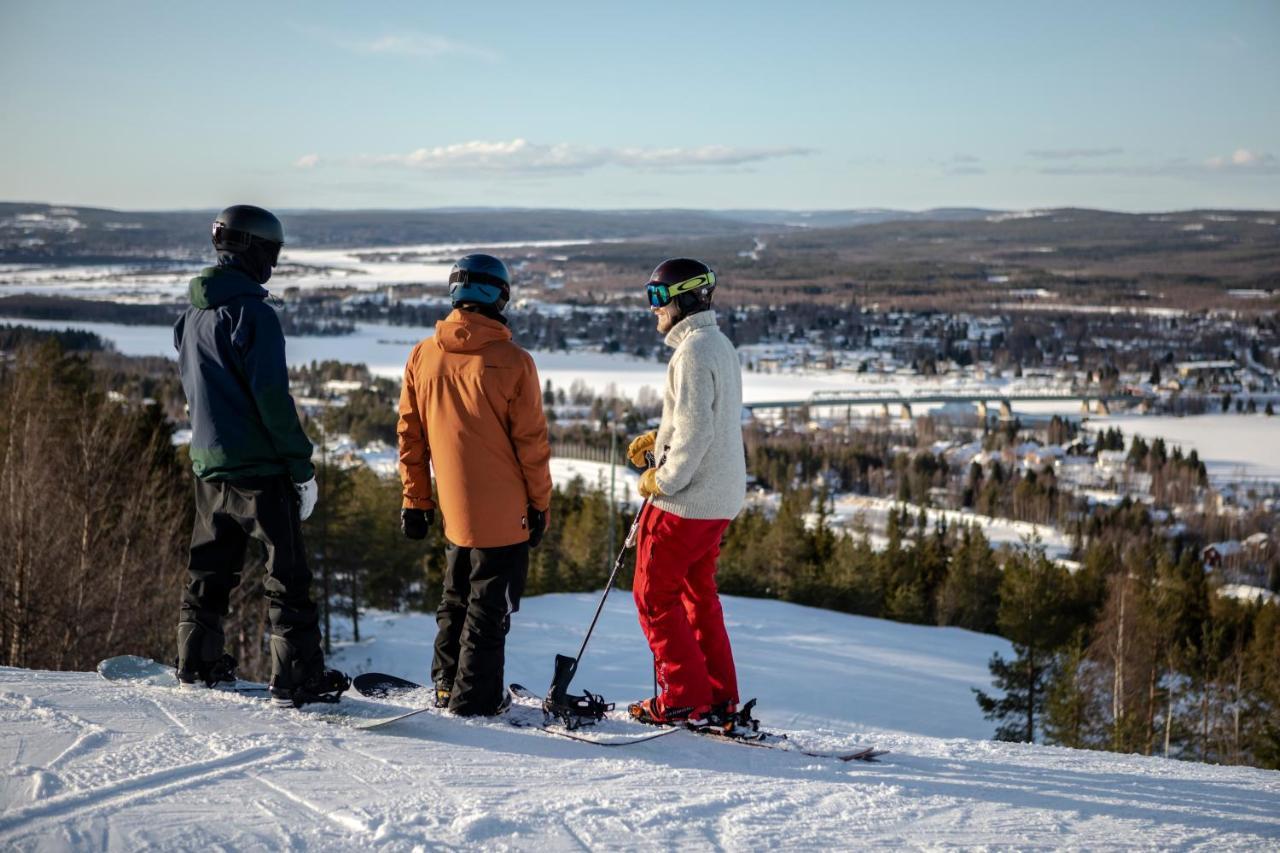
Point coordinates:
pixel 617 564
pixel 566 667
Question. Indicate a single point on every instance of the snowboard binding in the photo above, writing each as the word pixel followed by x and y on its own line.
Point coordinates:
pixel 734 723
pixel 571 710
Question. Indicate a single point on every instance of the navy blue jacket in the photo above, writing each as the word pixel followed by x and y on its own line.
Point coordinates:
pixel 231 351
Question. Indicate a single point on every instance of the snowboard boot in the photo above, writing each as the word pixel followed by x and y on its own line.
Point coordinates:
pixel 327 685
pixel 207 674
pixel 201 661
pixel 654 713
pixel 296 682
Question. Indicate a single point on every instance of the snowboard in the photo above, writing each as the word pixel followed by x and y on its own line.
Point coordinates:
pixel 136 670
pixel 377 685
pixel 140 670
pixel 526 712
pixel 756 738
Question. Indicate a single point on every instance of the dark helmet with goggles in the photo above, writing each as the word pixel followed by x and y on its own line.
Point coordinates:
pixel 243 229
pixel 481 280
pixel 684 281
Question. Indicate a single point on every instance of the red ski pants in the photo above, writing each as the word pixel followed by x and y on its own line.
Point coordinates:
pixel 675 593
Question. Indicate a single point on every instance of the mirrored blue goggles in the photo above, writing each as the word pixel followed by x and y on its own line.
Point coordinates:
pixel 662 294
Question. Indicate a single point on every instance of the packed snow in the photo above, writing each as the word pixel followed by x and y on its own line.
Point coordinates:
pixel 96 765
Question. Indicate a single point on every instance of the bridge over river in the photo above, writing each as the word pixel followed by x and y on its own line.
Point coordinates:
pixel 1090 401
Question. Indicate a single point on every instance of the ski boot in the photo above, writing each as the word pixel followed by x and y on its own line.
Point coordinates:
pixel 654 713
pixel 443 690
pixel 207 674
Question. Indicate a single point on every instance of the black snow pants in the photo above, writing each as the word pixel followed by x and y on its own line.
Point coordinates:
pixel 228 515
pixel 482 588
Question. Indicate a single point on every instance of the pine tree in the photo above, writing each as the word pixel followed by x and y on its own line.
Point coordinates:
pixel 1033 615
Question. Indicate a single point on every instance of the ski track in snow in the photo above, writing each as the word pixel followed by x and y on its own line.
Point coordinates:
pixel 101 766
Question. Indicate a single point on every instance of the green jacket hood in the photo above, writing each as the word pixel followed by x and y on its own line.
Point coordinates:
pixel 468 331
pixel 216 286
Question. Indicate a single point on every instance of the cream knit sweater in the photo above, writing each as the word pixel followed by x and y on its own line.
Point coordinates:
pixel 705 473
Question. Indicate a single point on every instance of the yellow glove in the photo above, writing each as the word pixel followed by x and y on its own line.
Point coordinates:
pixel 649 484
pixel 639 446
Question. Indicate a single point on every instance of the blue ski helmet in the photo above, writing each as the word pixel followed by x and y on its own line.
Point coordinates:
pixel 481 279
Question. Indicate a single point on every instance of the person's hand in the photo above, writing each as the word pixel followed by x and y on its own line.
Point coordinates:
pixel 417 522
pixel 649 484
pixel 308 494
pixel 639 446
pixel 539 522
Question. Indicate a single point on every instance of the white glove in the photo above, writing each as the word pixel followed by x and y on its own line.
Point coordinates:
pixel 308 494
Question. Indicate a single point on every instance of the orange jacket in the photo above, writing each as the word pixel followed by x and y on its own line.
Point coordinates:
pixel 471 407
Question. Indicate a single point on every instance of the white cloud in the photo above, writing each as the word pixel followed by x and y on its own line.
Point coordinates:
pixel 1243 158
pixel 424 45
pixel 521 155
pixel 307 161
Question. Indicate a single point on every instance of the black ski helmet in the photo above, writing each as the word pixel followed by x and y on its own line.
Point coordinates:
pixel 480 279
pixel 243 228
pixel 686 282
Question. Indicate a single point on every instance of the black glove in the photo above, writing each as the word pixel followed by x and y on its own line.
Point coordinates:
pixel 417 522
pixel 537 526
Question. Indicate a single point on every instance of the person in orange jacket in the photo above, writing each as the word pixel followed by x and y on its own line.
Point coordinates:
pixel 471 408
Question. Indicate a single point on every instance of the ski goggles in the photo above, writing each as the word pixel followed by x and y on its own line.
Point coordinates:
pixel 476 286
pixel 662 294
pixel 234 240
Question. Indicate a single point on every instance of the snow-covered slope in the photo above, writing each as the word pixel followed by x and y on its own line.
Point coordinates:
pixel 100 766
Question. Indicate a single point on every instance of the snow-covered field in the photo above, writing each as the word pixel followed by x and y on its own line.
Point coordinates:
pixel 847 510
pixel 99 766
pixel 362 268
pixel 1232 445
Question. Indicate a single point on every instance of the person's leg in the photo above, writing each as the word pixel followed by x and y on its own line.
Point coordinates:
pixel 662 562
pixel 451 614
pixel 213 566
pixel 269 511
pixel 702 608
pixel 497 581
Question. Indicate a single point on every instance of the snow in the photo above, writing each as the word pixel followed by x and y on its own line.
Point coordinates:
pixel 1245 592
pixel 1232 446
pixel 563 472
pixel 874 512
pixel 94 765
pixel 360 268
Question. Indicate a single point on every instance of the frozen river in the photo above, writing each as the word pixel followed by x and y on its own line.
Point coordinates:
pixel 1233 446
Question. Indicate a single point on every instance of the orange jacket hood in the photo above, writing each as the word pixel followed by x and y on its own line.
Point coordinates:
pixel 468 331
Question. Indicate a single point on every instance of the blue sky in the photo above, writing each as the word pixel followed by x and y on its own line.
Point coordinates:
pixel 1128 106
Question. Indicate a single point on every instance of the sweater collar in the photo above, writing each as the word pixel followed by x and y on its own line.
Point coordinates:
pixel 688 326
